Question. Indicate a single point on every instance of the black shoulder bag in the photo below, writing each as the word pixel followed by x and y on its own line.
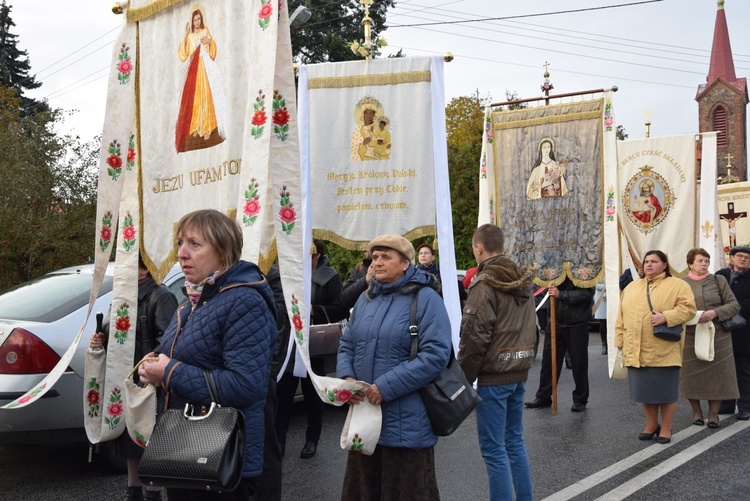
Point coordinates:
pixel 662 331
pixel 737 321
pixel 450 398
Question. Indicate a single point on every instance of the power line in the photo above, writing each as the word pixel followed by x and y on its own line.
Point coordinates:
pixel 520 16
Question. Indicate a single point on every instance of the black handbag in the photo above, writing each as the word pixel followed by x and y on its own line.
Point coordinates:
pixel 188 450
pixel 450 398
pixel 737 321
pixel 662 331
pixel 324 338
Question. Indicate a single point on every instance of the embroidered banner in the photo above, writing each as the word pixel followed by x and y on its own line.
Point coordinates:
pixel 734 211
pixel 657 192
pixel 547 193
pixel 371 149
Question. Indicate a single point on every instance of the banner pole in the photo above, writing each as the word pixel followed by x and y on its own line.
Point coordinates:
pixel 553 352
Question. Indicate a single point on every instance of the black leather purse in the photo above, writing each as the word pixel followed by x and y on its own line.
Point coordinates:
pixel 662 331
pixel 450 398
pixel 188 450
pixel 737 321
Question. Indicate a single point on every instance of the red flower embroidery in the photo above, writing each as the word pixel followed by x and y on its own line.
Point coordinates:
pixel 125 66
pixel 265 11
pixel 25 399
pixel 287 214
pixel 122 324
pixel 115 409
pixel 297 321
pixel 259 118
pixel 106 234
pixel 343 395
pixel 114 161
pixel 281 117
pixel 131 155
pixel 93 397
pixel 252 207
pixel 128 232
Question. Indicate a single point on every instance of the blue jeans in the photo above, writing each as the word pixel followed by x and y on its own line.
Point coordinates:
pixel 500 429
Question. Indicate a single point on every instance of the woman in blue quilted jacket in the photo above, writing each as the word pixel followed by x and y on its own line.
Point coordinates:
pixel 375 348
pixel 226 329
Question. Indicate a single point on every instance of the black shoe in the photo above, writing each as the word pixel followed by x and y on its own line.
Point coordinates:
pixel 578 407
pixel 309 450
pixel 537 403
pixel 152 495
pixel 134 494
pixel 604 349
pixel 663 440
pixel 649 436
pixel 743 416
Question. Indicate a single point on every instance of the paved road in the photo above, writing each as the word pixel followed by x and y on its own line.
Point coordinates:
pixel 583 456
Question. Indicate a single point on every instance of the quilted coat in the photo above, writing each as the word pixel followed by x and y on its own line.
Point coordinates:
pixel 375 348
pixel 232 331
pixel 633 332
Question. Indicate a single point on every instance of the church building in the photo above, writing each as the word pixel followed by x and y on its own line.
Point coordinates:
pixel 722 103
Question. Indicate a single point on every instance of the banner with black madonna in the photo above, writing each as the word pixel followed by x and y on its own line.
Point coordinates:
pixel 547 165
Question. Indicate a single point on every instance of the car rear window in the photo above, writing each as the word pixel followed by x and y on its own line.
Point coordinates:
pixel 49 298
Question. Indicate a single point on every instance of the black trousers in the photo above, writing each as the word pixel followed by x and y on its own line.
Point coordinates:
pixel 742 366
pixel 269 486
pixel 576 341
pixel 285 390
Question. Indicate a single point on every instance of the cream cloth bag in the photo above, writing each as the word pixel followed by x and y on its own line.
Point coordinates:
pixel 140 408
pixel 704 338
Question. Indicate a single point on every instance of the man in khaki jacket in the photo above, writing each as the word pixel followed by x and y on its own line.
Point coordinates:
pixel 498 331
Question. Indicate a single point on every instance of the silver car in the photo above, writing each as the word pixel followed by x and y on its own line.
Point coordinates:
pixel 38 322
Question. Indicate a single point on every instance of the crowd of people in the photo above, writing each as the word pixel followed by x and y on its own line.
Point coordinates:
pixel 231 334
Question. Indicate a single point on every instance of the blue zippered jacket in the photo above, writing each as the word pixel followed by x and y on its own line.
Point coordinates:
pixel 375 348
pixel 232 332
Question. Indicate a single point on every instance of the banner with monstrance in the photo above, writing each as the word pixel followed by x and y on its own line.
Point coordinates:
pixel 200 114
pixel 541 181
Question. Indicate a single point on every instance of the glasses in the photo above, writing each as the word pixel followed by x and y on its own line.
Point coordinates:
pixel 741 256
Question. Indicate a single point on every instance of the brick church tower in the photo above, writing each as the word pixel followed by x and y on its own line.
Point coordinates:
pixel 722 102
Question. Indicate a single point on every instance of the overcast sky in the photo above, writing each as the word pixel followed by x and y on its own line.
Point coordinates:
pixel 657 53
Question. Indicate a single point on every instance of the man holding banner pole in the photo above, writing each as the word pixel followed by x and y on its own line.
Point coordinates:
pixel 570 307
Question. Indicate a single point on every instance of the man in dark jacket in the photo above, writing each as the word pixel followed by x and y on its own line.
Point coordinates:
pixel 498 332
pixel 573 312
pixel 739 281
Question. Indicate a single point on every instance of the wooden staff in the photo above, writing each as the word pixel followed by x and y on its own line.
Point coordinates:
pixel 553 352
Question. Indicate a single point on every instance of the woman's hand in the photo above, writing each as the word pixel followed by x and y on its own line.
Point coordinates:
pixel 707 316
pixel 658 318
pixel 153 372
pixel 370 274
pixel 373 395
pixel 357 397
pixel 97 341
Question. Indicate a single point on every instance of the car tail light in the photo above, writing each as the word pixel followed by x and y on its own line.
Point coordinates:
pixel 24 353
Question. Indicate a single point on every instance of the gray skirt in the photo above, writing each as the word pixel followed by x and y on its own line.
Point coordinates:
pixel 654 385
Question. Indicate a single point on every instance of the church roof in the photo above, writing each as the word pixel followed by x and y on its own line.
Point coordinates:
pixel 722 62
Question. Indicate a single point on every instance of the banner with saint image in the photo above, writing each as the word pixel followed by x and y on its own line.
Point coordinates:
pixel 547 193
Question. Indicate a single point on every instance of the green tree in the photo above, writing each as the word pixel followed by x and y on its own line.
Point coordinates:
pixel 15 65
pixel 464 119
pixel 324 37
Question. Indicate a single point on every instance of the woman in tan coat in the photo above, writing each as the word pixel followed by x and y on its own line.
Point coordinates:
pixel 654 363
pixel 703 380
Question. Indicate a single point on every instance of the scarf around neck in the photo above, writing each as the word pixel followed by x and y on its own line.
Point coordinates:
pixel 194 291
